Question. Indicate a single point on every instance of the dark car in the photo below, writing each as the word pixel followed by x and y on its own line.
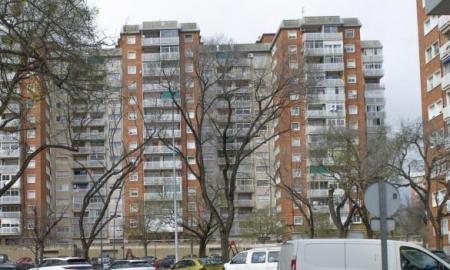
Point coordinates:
pixel 167 262
pixel 150 259
pixel 3 258
pixel 441 254
pixel 9 266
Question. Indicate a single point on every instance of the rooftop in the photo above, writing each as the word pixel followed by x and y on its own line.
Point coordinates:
pixel 159 25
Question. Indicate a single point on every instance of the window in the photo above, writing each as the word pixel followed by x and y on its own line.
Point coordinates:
pixel 131 85
pixel 295 126
pixel 431 51
pixel 31 134
pixel 132 116
pixel 31 119
pixel 349 33
pixel 353 109
pixel 295 111
pixel 190 145
pixel 30 225
pixel 189 83
pixel 32 164
pixel 191 115
pixel 352 94
pixel 134 192
pixel 434 80
pixel 131 39
pixel 192 206
pixel 293 64
pixel 292 34
pixel 296 172
pixel 132 100
pixel 191 160
pixel 31 195
pixel 189 68
pixel 356 219
pixel 292 49
pixel 351 78
pixel 430 24
pixel 239 258
pixel 259 257
pixel 349 48
pixel 191 176
pixel 295 142
pixel 296 158
pixel 132 131
pixel 434 109
pixel 273 256
pixel 132 146
pixel 133 177
pixel 133 223
pixel 31 179
pixel 133 208
pixel 294 97
pixel 131 70
pixel 188 52
pixel 188 38
pixel 298 220
pixel 131 55
pixel 351 63
pixel 411 258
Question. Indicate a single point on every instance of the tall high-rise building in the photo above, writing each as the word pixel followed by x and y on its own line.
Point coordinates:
pixel 434 55
pixel 344 90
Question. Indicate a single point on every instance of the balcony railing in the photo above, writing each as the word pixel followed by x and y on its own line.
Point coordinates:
pixel 325 66
pixel 161 117
pixel 375 114
pixel 374 86
pixel 445 82
pixel 86 178
pixel 316 129
pixel 89 163
pixel 157 41
pixel 323 51
pixel 13 214
pixel 166 72
pixel 160 56
pixel 91 136
pixel 153 180
pixel 89 150
pixel 9 153
pixel 9 230
pixel 153 88
pixel 159 102
pixel 322 36
pixel 324 114
pixel 331 83
pixel 317 193
pixel 152 165
pixel 9 168
pixel 167 134
pixel 446 113
pixel 167 196
pixel 444 23
pixel 160 149
pixel 372 58
pixel 445 51
pixel 376 72
pixel 9 199
pixel 327 97
pixel 245 188
pixel 244 203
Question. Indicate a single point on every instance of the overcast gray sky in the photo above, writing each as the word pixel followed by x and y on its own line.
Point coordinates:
pixel 393 22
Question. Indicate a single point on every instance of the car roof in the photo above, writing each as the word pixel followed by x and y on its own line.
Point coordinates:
pixel 131 260
pixel 65 258
pixel 273 248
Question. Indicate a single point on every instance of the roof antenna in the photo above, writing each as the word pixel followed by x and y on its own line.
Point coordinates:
pixel 303 11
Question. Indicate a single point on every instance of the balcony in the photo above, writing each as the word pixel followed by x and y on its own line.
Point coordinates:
pixel 375 114
pixel 9 168
pixel 89 163
pixel 86 178
pixel 373 86
pixel 9 230
pixel 331 83
pixel 322 51
pixel 167 196
pixel 322 36
pixel 445 82
pixel 245 188
pixel 88 122
pixel 159 149
pixel 90 136
pixel 158 41
pixel 161 165
pixel 13 214
pixel 317 193
pixel 161 118
pixel 445 51
pixel 150 181
pixel 375 72
pixel 165 72
pixel 152 88
pixel 10 199
pixel 9 153
pixel 326 97
pixel 90 150
pixel 324 114
pixel 159 103
pixel 372 58
pixel 167 134
pixel 244 203
pixel 323 208
pixel 160 56
pixel 325 66
pixel 446 113
pixel 9 137
pixel 444 23
pixel 316 129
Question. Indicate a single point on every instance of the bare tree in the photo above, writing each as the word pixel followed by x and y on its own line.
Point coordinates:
pixel 411 220
pixel 264 226
pixel 421 163
pixel 225 81
pixel 42 54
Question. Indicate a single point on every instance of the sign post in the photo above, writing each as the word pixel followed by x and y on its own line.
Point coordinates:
pixel 382 200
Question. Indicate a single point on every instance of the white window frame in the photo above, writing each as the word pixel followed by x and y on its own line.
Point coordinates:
pixel 297 220
pixel 349 33
pixel 131 40
pixel 351 78
pixel 349 48
pixel 292 34
pixel 131 55
pixel 295 126
pixel 131 70
pixel 133 193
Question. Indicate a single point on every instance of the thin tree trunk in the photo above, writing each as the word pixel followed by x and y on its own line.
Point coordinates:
pixel 145 243
pixel 86 248
pixel 202 247
pixel 224 242
pixel 41 252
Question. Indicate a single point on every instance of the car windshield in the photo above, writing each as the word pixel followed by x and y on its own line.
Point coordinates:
pixel 77 261
pixel 205 261
pixel 140 264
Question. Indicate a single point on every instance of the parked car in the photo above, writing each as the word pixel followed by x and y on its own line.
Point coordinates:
pixel 64 263
pixel 441 254
pixel 362 254
pixel 25 263
pixel 9 266
pixel 150 259
pixel 132 264
pixel 255 259
pixel 197 264
pixel 167 262
pixel 3 258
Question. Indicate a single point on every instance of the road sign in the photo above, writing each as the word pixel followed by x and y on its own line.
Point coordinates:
pixel 376 226
pixel 372 202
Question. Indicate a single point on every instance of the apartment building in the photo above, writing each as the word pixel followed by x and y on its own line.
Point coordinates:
pixel 341 74
pixel 434 55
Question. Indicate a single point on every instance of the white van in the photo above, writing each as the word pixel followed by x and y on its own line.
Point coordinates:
pixel 355 254
pixel 255 259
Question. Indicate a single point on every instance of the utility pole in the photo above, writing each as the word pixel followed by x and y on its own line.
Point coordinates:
pixel 383 225
pixel 174 172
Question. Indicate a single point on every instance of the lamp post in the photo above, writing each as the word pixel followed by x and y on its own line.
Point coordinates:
pixel 174 192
